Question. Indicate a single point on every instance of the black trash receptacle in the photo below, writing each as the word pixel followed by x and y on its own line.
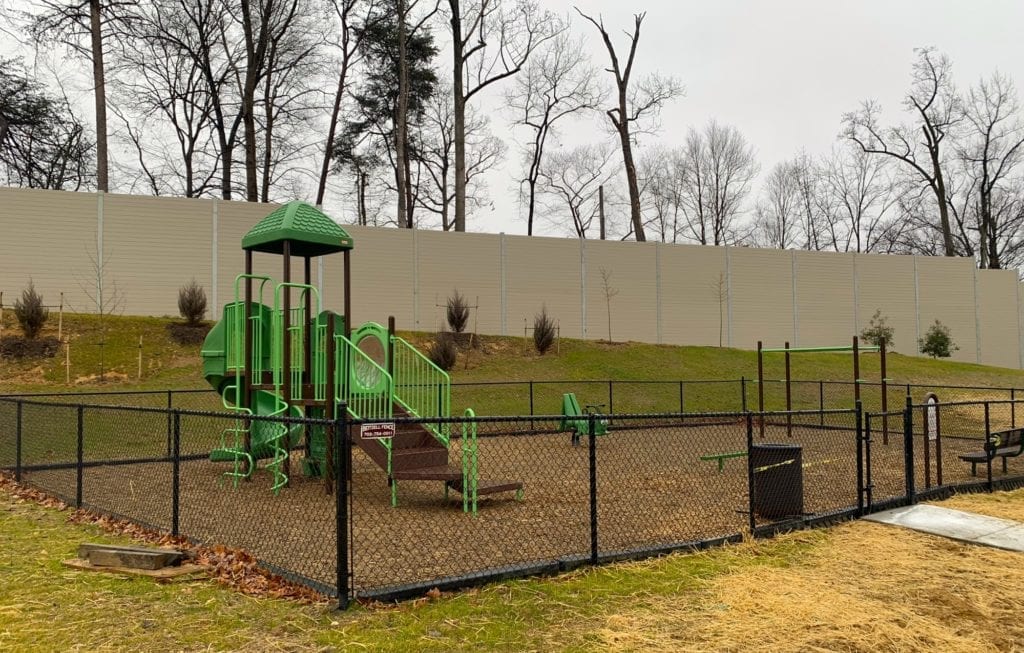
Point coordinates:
pixel 778 480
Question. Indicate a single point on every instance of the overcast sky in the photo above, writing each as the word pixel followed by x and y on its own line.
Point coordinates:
pixel 783 72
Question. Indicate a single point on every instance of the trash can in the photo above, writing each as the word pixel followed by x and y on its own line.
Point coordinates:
pixel 778 480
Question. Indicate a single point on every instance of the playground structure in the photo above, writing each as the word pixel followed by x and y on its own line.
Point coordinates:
pixel 271 357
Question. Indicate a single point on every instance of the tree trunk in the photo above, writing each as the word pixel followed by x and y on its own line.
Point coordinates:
pixel 401 122
pixel 332 128
pixel 940 196
pixel 627 157
pixel 100 94
pixel 600 209
pixel 460 117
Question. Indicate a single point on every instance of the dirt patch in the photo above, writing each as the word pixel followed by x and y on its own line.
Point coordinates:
pixel 185 334
pixel 19 348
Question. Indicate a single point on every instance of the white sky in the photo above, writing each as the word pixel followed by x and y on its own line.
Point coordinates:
pixel 782 72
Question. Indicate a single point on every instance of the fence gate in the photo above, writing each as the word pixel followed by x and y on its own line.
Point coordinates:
pixel 883 460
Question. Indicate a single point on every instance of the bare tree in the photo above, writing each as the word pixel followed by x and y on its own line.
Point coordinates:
pixel 859 200
pixel 720 167
pixel 557 83
pixel 777 218
pixel 570 184
pixel 436 152
pixel 491 40
pixel 993 149
pixel 83 25
pixel 661 177
pixel 345 12
pixel 609 291
pixel 937 111
pixel 644 100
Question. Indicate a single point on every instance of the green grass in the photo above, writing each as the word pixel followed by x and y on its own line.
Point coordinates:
pixel 44 606
pixel 582 364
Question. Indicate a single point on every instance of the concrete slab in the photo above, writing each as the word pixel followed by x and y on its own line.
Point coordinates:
pixel 956 524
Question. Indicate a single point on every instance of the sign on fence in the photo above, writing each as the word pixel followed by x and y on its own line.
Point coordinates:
pixel 377 431
pixel 932 417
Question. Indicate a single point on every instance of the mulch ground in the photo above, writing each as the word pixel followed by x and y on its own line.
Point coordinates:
pixel 652 490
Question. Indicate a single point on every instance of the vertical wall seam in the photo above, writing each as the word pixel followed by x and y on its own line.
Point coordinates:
pixel 856 296
pixel 917 303
pixel 728 294
pixel 99 252
pixel 796 316
pixel 415 279
pixel 657 290
pixel 215 215
pixel 502 288
pixel 1020 332
pixel 977 322
pixel 583 288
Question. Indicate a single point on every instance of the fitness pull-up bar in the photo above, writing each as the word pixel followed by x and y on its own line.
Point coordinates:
pixel 856 349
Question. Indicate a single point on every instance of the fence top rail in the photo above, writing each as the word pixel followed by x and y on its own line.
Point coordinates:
pixel 979 402
pixel 105 393
pixel 804 350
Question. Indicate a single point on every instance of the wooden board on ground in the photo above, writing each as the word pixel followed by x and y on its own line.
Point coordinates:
pixel 131 557
pixel 167 573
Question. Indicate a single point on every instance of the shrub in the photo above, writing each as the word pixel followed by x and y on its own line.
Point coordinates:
pixel 937 341
pixel 543 331
pixel 443 351
pixel 878 330
pixel 192 303
pixel 457 312
pixel 31 312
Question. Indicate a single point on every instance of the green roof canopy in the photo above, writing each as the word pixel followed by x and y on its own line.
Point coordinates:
pixel 308 229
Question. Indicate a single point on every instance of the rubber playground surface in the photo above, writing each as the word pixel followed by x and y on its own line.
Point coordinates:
pixel 653 490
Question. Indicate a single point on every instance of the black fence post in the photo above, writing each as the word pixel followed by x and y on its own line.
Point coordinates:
pixel 592 446
pixel 821 401
pixel 17 443
pixel 990 447
pixel 176 481
pixel 682 399
pixel 1013 408
pixel 342 475
pixel 531 401
pixel 743 393
pixel 750 471
pixel 908 449
pixel 170 427
pixel 611 398
pixel 80 457
pixel 861 489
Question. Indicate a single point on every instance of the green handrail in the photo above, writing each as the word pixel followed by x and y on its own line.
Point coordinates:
pixel 297 324
pixel 421 387
pixel 367 399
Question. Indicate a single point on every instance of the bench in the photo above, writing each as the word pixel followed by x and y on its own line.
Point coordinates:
pixel 1001 444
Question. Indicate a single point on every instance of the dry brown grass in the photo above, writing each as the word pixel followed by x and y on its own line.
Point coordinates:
pixel 871 588
pixel 1005 505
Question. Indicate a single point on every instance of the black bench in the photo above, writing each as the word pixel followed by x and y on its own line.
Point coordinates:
pixel 1002 444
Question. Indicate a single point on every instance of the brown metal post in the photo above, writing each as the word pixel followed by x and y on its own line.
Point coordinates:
pixel 390 365
pixel 308 327
pixel 760 385
pixel 286 343
pixel 789 396
pixel 885 394
pixel 348 293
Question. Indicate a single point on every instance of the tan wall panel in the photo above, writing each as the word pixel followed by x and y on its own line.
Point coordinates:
pixel 946 290
pixel 762 297
pixel 887 283
pixel 632 274
pixel 152 247
pixel 50 238
pixel 997 318
pixel 467 262
pixel 824 298
pixel 690 279
pixel 543 272
pixel 382 276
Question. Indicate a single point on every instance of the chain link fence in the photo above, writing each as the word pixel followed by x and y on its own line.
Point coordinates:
pixel 503 496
